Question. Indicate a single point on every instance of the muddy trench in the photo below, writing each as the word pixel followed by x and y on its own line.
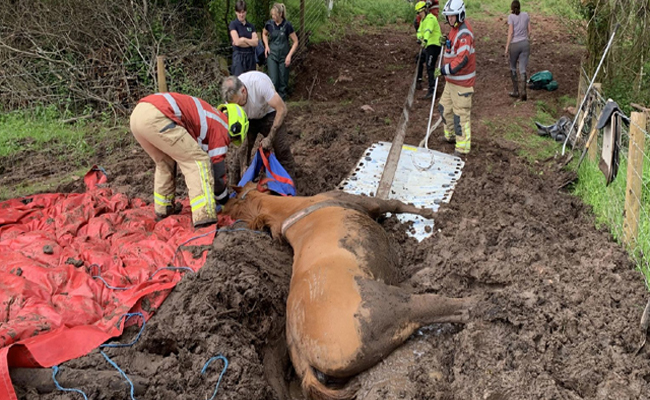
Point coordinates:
pixel 560 301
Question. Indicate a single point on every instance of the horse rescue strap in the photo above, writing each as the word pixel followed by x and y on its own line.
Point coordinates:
pixel 288 223
pixel 277 179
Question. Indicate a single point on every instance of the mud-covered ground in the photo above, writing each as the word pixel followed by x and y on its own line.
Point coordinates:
pixel 560 305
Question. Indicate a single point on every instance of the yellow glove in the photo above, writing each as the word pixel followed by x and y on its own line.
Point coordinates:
pixel 437 73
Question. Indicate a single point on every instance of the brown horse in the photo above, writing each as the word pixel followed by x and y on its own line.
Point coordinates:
pixel 343 315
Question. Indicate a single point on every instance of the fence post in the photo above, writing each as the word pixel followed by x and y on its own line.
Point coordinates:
pixel 162 82
pixel 580 90
pixel 593 147
pixel 634 178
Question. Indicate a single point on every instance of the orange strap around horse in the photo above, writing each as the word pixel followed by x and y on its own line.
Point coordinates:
pixel 288 223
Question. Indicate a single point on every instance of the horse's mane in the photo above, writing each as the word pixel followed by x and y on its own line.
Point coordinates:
pixel 251 213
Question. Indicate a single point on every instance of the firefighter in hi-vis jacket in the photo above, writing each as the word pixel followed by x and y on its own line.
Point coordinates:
pixel 459 70
pixel 176 128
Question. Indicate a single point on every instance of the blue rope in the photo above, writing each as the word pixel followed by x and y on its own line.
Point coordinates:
pixel 114 345
pixel 112 287
pixel 121 373
pixel 223 371
pixel 171 269
pixel 128 316
pixel 55 370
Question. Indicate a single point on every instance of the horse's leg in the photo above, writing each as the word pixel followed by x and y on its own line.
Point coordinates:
pixel 376 207
pixel 389 315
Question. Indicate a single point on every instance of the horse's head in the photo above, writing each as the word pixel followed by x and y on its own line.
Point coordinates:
pixel 248 205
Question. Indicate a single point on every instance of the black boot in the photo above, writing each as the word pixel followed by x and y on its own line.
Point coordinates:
pixel 515 84
pixel 418 85
pixel 428 95
pixel 524 80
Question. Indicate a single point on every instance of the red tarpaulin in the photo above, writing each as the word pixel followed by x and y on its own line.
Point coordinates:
pixel 71 265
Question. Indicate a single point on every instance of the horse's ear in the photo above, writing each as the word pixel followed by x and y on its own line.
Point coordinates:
pixel 237 189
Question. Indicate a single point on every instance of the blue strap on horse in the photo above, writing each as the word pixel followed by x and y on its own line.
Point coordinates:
pixel 277 179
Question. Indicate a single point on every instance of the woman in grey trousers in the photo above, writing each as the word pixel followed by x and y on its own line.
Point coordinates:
pixel 518 47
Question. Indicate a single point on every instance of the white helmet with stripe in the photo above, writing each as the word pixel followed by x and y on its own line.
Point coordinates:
pixel 454 7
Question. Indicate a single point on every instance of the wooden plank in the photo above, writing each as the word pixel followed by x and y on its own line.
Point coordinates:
pixel 634 178
pixel 162 81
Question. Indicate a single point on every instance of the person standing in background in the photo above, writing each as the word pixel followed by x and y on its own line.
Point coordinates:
pixel 429 36
pixel 276 35
pixel 244 40
pixel 519 46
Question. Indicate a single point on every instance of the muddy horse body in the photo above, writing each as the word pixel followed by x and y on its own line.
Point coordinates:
pixel 343 314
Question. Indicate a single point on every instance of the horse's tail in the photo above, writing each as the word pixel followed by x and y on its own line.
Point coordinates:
pixel 315 390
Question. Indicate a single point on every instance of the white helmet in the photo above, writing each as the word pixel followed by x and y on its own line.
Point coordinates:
pixel 454 7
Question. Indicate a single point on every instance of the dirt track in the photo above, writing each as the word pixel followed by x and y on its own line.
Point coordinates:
pixel 561 302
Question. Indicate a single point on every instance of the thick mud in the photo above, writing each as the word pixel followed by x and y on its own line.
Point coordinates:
pixel 560 305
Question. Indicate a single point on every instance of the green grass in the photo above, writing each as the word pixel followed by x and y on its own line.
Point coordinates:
pixel 522 131
pixel 48 184
pixel 489 8
pixel 41 130
pixel 608 203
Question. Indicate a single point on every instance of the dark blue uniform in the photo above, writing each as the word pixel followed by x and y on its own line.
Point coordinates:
pixel 243 58
pixel 278 50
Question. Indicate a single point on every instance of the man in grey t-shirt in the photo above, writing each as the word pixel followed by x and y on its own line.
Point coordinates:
pixel 266 111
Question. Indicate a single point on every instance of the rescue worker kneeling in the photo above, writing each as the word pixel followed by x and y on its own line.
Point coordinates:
pixel 176 128
pixel 459 70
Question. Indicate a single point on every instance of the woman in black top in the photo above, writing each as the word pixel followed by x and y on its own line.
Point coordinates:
pixel 244 40
pixel 277 33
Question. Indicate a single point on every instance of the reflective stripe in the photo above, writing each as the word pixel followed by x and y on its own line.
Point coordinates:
pixel 466 48
pixel 197 202
pixel 207 190
pixel 163 200
pixel 218 151
pixel 204 147
pixel 216 118
pixel 460 77
pixel 461 33
pixel 453 55
pixel 223 194
pixel 447 70
pixel 202 119
pixel 173 104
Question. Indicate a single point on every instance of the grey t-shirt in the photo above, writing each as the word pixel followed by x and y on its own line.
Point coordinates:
pixel 520 26
pixel 260 91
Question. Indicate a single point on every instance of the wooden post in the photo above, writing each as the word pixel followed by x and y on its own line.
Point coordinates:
pixel 162 82
pixel 634 178
pixel 580 90
pixel 303 27
pixel 593 148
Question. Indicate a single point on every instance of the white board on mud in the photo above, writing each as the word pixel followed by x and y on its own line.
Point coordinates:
pixel 425 178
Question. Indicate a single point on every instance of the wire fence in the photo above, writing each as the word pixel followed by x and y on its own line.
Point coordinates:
pixel 615 175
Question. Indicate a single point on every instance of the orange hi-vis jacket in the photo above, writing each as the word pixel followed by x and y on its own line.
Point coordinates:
pixel 207 125
pixel 459 59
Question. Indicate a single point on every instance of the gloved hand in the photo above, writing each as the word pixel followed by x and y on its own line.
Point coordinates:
pixel 418 41
pixel 443 40
pixel 437 73
pixel 266 143
pixel 219 208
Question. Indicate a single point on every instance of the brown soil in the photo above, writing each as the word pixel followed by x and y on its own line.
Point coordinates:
pixel 561 302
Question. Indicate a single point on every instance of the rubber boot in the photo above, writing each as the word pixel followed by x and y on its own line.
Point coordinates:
pixel 418 85
pixel 524 79
pixel 515 84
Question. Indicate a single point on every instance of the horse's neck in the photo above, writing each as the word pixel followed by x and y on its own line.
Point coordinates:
pixel 278 209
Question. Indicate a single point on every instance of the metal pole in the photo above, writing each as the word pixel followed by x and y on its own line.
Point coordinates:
pixel 433 99
pixel 591 84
